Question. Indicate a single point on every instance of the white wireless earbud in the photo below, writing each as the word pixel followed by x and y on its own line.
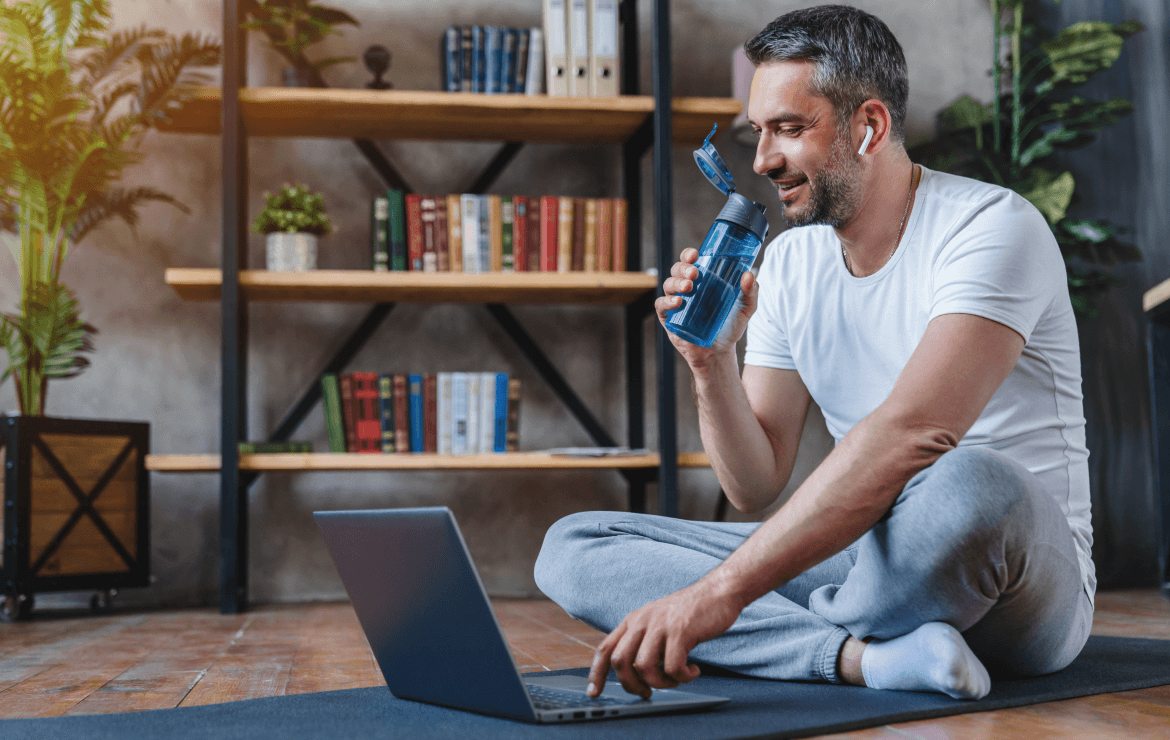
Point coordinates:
pixel 865 141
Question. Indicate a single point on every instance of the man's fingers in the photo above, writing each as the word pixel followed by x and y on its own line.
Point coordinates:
pixel 675 663
pixel 684 270
pixel 648 664
pixel 690 254
pixel 622 660
pixel 600 668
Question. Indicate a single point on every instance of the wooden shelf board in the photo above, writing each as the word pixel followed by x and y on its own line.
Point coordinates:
pixel 605 288
pixel 422 461
pixel 1156 296
pixel 404 114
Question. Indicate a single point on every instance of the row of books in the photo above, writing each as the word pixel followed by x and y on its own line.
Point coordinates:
pixel 453 413
pixel 492 233
pixel 582 41
pixel 492 60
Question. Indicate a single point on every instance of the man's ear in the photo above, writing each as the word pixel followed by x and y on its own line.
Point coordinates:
pixel 871 116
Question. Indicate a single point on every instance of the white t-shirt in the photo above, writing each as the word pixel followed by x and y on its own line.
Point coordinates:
pixel 969 248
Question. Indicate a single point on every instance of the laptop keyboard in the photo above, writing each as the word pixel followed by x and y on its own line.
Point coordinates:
pixel 546 698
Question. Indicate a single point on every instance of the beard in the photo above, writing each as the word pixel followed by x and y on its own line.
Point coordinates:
pixel 834 191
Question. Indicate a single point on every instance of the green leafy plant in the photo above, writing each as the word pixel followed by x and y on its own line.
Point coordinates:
pixel 294 209
pixel 75 102
pixel 293 25
pixel 1012 140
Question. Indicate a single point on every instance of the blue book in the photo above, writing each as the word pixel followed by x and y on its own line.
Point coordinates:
pixel 493 52
pixel 458 413
pixel 477 58
pixel 452 64
pixel 508 60
pixel 415 383
pixel 499 439
pixel 386 410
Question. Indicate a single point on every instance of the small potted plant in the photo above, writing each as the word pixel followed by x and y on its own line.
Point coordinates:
pixel 292 219
pixel 291 26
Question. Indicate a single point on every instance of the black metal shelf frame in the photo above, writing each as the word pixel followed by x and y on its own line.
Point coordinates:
pixel 234 483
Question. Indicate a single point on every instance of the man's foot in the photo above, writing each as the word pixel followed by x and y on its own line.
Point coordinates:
pixel 934 657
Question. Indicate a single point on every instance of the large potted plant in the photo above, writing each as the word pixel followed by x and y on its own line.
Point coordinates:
pixel 1032 115
pixel 292 26
pixel 75 101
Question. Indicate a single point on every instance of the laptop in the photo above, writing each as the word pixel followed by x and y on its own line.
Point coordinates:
pixel 431 627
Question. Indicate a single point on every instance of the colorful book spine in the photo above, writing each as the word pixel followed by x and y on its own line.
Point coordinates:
pixel 507 219
pixel 417 410
pixel 397 229
pixel 512 433
pixel 500 425
pixel 348 415
pixel 466 60
pixel 401 414
pixel 619 234
pixel 493 53
pixel 455 233
pixel 519 233
pixel 430 254
pixel 380 234
pixel 508 60
pixel 477 59
pixel 470 210
pixel 534 235
pixel 368 417
pixel 274 448
pixel 605 234
pixel 386 409
pixel 451 46
pixel 334 423
pixel 534 83
pixel 459 413
pixel 474 415
pixel 414 235
pixel 430 412
pixel 487 411
pixel 442 235
pixel 520 75
pixel 590 234
pixel 443 413
pixel 565 234
pixel 493 237
pixel 549 231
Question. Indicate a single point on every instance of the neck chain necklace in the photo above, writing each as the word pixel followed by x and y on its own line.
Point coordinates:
pixel 905 212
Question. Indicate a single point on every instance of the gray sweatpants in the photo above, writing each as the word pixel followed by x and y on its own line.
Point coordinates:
pixel 973 541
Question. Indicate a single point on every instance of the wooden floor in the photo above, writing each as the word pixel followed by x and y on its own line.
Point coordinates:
pixel 73 663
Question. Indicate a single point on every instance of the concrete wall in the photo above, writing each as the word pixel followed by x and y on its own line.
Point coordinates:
pixel 158 357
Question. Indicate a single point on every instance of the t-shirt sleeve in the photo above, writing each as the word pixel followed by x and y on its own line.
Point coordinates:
pixel 1003 264
pixel 767 332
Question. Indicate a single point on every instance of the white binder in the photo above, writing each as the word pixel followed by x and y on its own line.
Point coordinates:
pixel 555 29
pixel 604 69
pixel 578 34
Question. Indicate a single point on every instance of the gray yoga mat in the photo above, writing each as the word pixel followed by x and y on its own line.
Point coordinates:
pixel 758 709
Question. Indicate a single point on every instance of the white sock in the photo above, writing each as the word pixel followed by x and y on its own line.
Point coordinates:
pixel 934 657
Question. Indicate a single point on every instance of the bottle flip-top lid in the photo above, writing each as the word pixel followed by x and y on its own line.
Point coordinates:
pixel 738 209
pixel 712 166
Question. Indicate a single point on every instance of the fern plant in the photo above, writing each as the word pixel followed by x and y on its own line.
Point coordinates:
pixel 75 102
pixel 1012 140
pixel 292 26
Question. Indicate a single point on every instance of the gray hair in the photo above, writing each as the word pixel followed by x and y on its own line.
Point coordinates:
pixel 856 58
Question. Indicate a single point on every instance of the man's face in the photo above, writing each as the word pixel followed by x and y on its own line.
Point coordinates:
pixel 802 149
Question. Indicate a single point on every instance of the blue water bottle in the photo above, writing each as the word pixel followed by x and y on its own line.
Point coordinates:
pixel 730 248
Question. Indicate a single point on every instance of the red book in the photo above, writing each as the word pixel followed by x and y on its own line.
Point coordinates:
pixel 519 233
pixel 348 413
pixel 605 234
pixel 441 228
pixel 430 391
pixel 578 235
pixel 401 414
pixel 414 232
pixel 533 235
pixel 619 234
pixel 549 225
pixel 367 420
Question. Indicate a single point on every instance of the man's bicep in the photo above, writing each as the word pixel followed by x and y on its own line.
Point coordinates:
pixel 956 368
pixel 780 402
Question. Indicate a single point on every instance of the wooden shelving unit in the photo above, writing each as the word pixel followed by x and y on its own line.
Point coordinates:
pixel 291 462
pixel 398 114
pixel 587 288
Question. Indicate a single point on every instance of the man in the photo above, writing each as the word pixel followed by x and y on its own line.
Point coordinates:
pixel 928 316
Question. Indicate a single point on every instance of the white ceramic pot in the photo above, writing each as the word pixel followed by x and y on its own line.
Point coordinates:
pixel 287 252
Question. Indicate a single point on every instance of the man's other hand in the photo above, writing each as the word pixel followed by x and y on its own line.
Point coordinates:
pixel 649 648
pixel 682 280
